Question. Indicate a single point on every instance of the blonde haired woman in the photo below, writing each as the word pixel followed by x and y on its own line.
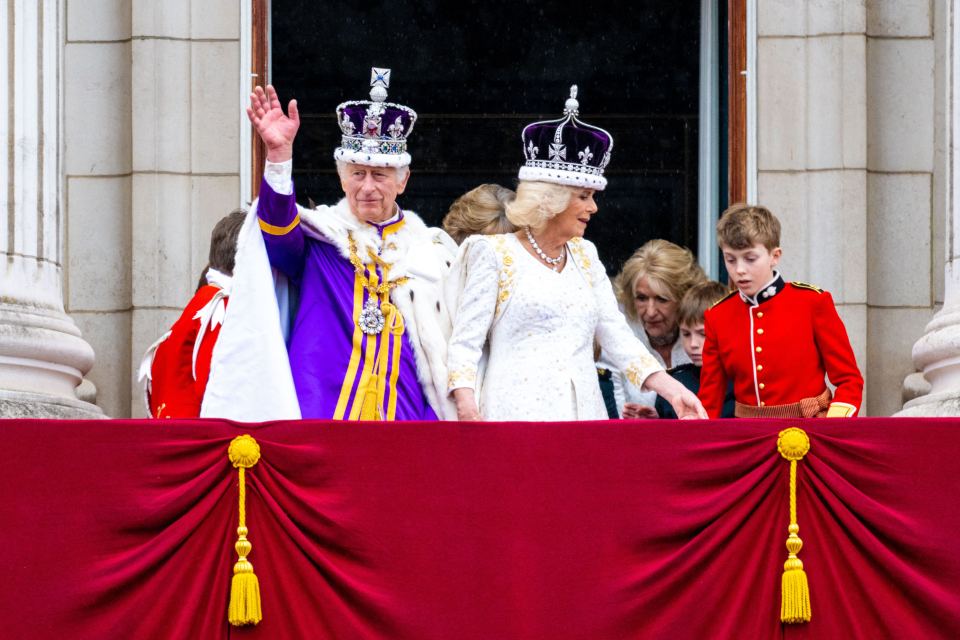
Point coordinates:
pixel 650 287
pixel 479 211
pixel 526 306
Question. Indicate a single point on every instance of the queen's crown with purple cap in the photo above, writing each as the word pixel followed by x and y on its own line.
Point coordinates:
pixel 375 132
pixel 566 151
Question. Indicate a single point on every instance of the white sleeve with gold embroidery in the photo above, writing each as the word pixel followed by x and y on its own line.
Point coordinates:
pixel 473 315
pixel 620 347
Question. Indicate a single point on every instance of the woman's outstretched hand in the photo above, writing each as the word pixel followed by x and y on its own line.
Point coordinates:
pixel 683 401
pixel 687 405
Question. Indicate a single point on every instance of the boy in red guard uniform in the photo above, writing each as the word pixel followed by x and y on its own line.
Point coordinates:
pixel 774 340
pixel 176 367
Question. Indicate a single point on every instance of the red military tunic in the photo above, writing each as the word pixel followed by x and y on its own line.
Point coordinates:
pixel 776 350
pixel 173 391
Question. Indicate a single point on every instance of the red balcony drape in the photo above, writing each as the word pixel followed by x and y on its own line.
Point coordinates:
pixel 125 529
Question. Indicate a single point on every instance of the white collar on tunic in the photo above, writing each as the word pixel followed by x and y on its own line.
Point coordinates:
pixel 219 279
pixel 391 220
pixel 765 292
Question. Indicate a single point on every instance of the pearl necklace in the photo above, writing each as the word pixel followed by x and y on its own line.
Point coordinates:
pixel 553 262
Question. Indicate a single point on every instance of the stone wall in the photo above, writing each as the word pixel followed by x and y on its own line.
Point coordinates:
pixel 846 159
pixel 152 162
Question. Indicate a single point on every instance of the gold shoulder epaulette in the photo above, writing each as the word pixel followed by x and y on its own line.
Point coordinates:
pixel 724 298
pixel 806 285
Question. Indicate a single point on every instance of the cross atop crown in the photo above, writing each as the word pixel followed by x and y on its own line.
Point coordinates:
pixel 379 83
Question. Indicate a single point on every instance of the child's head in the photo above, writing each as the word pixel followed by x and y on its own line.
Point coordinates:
pixel 693 306
pixel 749 238
pixel 223 245
pixel 223 241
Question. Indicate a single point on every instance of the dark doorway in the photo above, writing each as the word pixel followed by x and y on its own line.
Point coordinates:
pixel 477 72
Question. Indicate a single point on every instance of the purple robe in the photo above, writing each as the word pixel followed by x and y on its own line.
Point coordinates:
pixel 334 364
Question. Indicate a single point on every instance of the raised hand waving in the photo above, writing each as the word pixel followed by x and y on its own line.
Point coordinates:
pixel 275 129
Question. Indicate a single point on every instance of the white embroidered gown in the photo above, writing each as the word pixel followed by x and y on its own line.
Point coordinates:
pixel 523 334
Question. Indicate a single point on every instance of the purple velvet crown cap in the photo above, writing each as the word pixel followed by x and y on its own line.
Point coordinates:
pixel 375 132
pixel 566 151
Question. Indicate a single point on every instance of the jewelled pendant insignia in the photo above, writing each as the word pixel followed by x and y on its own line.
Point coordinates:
pixel 371 319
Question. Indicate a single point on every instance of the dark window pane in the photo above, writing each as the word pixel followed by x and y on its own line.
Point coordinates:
pixel 477 80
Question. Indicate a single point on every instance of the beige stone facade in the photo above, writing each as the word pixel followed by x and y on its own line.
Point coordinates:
pixel 851 113
pixel 144 187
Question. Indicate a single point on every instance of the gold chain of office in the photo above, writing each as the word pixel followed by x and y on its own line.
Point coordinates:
pixel 384 287
pixel 373 317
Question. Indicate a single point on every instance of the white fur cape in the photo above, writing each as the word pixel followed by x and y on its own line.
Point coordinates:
pixel 250 378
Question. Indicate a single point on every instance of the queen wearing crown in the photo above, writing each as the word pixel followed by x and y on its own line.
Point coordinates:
pixel 335 310
pixel 525 307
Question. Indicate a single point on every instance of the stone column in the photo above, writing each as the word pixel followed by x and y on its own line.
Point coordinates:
pixel 937 353
pixel 42 356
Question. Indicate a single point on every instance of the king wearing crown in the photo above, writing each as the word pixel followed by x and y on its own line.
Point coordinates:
pixel 335 310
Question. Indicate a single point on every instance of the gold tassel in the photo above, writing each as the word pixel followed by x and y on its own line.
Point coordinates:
pixel 793 444
pixel 370 409
pixel 244 453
